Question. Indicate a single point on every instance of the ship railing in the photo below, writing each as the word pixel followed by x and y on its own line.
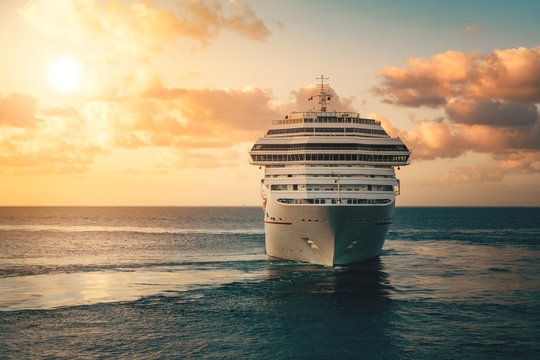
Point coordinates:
pixel 308 117
pixel 329 148
pixel 350 114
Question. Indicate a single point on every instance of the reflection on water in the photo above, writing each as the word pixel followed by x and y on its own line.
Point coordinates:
pixel 84 288
pixel 344 312
pixel 368 278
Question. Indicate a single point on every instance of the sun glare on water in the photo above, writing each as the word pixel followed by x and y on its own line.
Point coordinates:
pixel 64 74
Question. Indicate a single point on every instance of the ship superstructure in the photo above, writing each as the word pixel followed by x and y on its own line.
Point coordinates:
pixel 329 187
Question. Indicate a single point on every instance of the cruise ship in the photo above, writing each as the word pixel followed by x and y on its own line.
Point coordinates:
pixel 329 185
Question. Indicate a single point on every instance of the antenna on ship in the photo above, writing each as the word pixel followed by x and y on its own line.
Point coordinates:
pixel 323 93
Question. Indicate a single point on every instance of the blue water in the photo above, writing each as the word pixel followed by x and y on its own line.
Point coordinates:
pixel 174 283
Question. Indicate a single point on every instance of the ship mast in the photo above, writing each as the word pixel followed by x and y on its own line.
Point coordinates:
pixel 323 93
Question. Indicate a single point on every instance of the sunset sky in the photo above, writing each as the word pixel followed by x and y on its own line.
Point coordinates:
pixel 158 102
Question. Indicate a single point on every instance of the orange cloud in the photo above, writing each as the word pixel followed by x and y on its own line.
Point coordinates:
pixel 490 104
pixel 141 27
pixel 473 174
pixel 137 111
pixel 140 111
pixel 53 140
pixel 185 159
pixel 207 111
pixel 65 112
pixel 471 29
pixel 180 117
pixel 18 110
pixel 495 169
pixel 511 75
pixel 301 102
pixel 440 139
pixel 204 19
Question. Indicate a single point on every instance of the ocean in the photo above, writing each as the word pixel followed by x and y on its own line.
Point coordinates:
pixel 194 282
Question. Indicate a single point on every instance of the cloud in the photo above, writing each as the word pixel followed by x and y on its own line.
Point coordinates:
pixel 141 27
pixel 52 140
pixel 204 19
pixel 51 156
pixel 471 29
pixel 473 174
pixel 440 139
pixel 18 110
pixel 491 112
pixel 66 112
pixel 494 170
pixel 139 111
pixel 490 105
pixel 151 115
pixel 217 110
pixel 136 111
pixel 511 75
pixel 301 102
pixel 186 159
pixel 426 83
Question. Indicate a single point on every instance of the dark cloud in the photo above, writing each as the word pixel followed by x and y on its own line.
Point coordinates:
pixel 492 113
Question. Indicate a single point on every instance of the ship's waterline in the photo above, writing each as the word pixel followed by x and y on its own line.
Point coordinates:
pixel 329 187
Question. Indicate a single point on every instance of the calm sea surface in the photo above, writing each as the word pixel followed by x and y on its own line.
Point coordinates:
pixel 174 283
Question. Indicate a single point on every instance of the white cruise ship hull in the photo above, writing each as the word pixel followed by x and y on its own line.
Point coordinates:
pixel 326 234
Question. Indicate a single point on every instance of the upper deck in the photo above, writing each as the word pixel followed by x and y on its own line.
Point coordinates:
pixel 320 117
pixel 319 136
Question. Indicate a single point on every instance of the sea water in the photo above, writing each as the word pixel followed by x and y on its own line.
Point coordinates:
pixel 179 282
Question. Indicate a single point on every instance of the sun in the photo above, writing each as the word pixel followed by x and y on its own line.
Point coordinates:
pixel 64 74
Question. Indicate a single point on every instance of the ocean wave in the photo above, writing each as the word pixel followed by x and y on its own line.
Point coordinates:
pixel 465 231
pixel 480 236
pixel 224 261
pixel 130 229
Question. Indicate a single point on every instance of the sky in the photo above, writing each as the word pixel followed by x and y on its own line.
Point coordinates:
pixel 157 103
